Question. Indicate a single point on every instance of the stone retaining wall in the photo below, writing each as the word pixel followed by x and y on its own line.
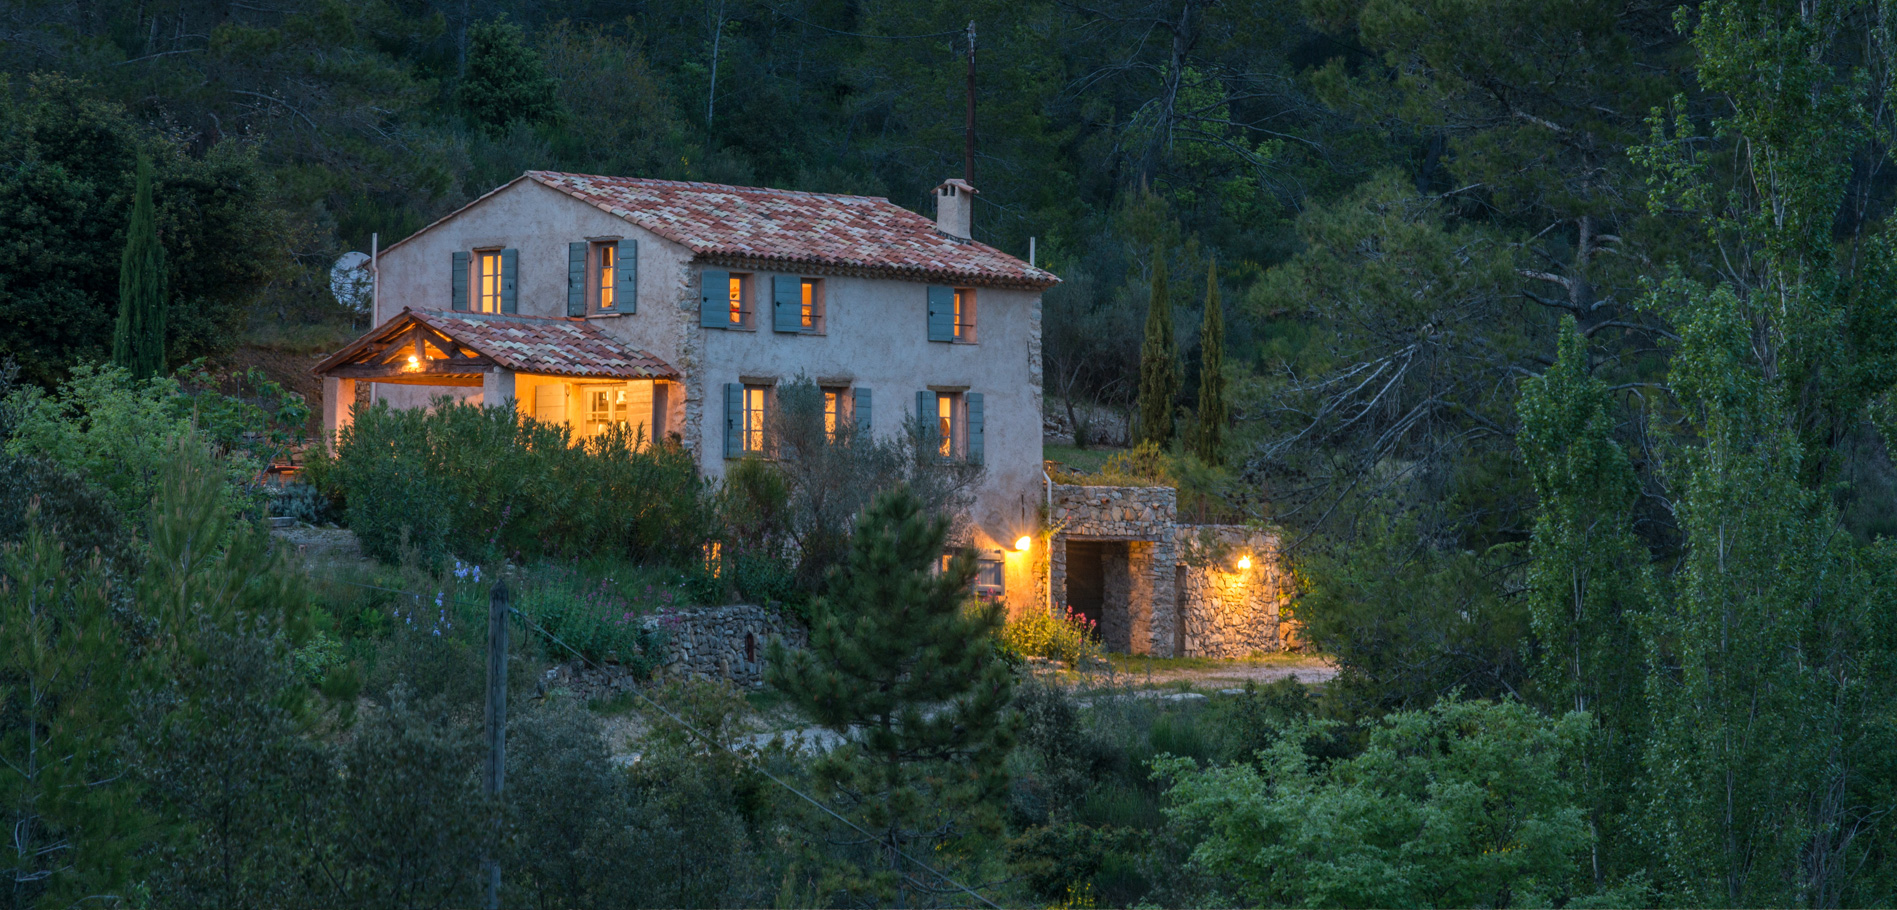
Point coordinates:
pixel 1233 612
pixel 703 642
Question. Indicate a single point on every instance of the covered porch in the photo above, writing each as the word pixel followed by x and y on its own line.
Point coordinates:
pixel 562 371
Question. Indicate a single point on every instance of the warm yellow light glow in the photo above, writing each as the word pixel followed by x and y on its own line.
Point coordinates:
pixel 414 360
pixel 1244 562
pixel 1021 546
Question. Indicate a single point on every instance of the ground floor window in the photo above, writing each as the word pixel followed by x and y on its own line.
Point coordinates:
pixel 756 398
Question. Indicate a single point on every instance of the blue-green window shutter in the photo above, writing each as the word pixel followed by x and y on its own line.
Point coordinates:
pixel 941 313
pixel 859 406
pixel 576 279
pixel 926 421
pixel 714 301
pixel 787 312
pixel 626 276
pixel 510 272
pixel 734 419
pixel 975 442
pixel 458 285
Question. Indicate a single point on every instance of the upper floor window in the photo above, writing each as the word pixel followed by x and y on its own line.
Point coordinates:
pixel 797 304
pixel 965 314
pixel 726 299
pixel 487 281
pixel 952 313
pixel 602 277
pixel 603 283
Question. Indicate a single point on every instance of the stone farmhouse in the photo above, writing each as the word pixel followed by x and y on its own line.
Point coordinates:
pixel 677 308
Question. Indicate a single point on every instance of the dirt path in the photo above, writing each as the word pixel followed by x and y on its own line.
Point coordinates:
pixel 1205 675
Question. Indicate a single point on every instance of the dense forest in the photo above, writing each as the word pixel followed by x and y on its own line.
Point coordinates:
pixel 1558 338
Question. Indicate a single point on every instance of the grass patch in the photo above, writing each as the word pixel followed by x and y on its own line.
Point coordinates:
pixel 1089 460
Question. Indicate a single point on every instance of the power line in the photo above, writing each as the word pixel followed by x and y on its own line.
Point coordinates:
pixel 701 735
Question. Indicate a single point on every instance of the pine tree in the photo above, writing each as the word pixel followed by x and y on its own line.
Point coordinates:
pixel 902 662
pixel 1159 362
pixel 138 341
pixel 66 684
pixel 1209 440
pixel 506 81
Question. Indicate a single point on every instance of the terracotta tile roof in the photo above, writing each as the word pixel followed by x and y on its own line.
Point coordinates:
pixel 739 223
pixel 524 344
pixel 553 346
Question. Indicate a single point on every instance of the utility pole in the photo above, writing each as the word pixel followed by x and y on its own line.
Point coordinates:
pixel 968 149
pixel 495 773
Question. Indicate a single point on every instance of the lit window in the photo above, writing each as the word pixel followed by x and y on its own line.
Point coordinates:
pixel 605 272
pixel 832 399
pixel 736 295
pixel 606 409
pixel 945 424
pixel 488 282
pixel 965 314
pixel 810 305
pixel 754 399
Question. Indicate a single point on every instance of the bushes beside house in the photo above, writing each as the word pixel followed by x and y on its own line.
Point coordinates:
pixel 485 484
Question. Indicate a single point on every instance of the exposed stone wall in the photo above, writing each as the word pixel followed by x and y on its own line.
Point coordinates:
pixel 1234 612
pixel 1171 589
pixel 1141 586
pixel 702 642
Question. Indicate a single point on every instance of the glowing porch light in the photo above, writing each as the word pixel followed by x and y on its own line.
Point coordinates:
pixel 1244 562
pixel 414 360
pixel 1022 545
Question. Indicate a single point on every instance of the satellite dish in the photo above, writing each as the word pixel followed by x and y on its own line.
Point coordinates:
pixel 351 282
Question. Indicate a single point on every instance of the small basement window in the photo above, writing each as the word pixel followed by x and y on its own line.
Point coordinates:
pixel 990 574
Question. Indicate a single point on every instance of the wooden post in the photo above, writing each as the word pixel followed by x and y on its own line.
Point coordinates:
pixel 495 774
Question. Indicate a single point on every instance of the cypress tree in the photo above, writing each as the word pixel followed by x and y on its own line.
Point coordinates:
pixel 138 340
pixel 1209 442
pixel 902 663
pixel 1159 362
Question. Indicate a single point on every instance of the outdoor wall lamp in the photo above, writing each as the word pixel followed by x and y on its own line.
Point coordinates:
pixel 414 360
pixel 1022 545
pixel 1244 563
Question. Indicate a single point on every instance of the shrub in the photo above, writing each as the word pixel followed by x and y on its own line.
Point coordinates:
pixel 302 502
pixel 485 484
pixel 1071 638
pixel 1466 804
pixel 114 431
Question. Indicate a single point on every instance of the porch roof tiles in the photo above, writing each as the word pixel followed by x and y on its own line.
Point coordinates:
pixel 553 346
pixel 738 223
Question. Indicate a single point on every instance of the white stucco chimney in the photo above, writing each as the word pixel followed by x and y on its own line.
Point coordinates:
pixel 954 204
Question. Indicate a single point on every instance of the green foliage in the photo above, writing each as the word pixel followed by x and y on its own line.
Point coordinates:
pixel 1461 805
pixel 505 82
pixel 66 668
pixel 69 213
pixel 1159 363
pixel 1407 622
pixel 1589 586
pixel 898 652
pixel 1071 639
pixel 1209 439
pixel 485 484
pixel 138 339
pixel 115 432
